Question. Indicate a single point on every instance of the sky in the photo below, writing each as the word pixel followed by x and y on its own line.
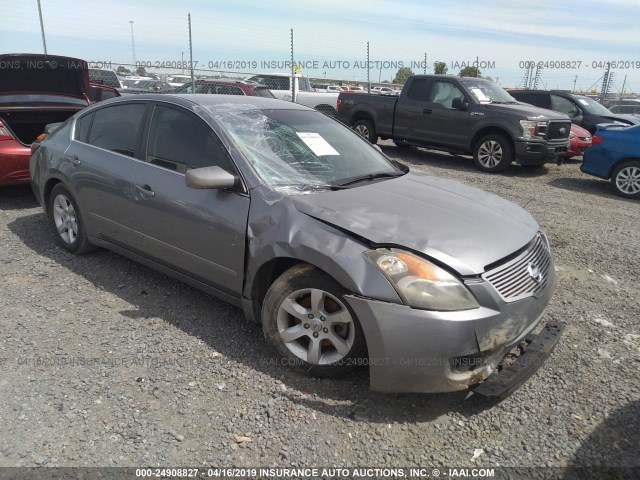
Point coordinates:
pixel 573 39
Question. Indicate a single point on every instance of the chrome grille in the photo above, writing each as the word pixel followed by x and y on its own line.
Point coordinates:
pixel 523 275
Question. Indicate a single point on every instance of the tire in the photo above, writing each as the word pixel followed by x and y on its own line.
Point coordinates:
pixel 366 129
pixel 626 179
pixel 323 340
pixel 493 153
pixel 66 221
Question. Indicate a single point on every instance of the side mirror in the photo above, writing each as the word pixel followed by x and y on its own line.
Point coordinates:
pixel 577 119
pixel 210 178
pixel 458 103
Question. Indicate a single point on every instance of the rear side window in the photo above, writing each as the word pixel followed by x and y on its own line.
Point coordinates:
pixel 536 99
pixel 273 82
pixel 179 140
pixel 263 92
pixel 226 90
pixel 118 128
pixel 419 90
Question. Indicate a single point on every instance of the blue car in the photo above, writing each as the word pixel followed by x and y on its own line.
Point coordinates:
pixel 615 155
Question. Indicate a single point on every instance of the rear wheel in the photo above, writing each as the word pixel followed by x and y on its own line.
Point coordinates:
pixel 307 320
pixel 365 129
pixel 66 221
pixel 493 153
pixel 626 179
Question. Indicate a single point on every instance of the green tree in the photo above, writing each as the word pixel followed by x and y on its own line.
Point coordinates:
pixel 141 71
pixel 402 75
pixel 440 68
pixel 122 70
pixel 470 72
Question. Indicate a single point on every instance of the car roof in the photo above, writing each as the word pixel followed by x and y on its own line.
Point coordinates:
pixel 189 100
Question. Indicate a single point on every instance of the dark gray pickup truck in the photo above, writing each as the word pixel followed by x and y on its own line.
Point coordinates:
pixel 460 115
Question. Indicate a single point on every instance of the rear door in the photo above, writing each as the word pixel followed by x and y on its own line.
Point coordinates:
pixel 101 160
pixel 411 111
pixel 200 233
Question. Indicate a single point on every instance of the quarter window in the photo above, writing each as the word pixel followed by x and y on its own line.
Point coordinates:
pixel 178 140
pixel 419 90
pixel 82 128
pixel 118 128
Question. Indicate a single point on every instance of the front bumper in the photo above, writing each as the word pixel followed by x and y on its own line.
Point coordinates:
pixel 423 351
pixel 539 153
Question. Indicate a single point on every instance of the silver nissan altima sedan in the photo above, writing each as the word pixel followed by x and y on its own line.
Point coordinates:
pixel 345 257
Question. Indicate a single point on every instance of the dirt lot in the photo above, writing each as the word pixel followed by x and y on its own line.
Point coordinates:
pixel 108 363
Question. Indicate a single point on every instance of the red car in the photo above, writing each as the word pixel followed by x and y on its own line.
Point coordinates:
pixel 579 141
pixel 35 90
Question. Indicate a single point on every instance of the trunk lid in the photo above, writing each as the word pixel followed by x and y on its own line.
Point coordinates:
pixel 43 74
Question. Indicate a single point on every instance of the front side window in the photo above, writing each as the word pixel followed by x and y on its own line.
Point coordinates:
pixel 562 105
pixel 118 128
pixel 178 141
pixel 443 93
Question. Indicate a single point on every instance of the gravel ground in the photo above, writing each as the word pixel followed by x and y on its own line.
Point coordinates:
pixel 108 363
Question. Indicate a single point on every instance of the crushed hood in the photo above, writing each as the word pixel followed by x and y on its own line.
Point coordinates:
pixel 50 74
pixel 462 227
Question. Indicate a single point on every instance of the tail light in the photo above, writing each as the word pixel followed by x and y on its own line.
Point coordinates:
pixel 596 140
pixel 4 133
pixel 338 103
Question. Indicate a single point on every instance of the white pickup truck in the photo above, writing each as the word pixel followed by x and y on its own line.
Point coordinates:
pixel 280 86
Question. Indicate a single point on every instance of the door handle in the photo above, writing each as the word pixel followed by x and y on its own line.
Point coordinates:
pixel 145 191
pixel 426 111
pixel 72 159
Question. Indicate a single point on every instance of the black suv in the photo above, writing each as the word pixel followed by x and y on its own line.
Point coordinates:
pixel 583 111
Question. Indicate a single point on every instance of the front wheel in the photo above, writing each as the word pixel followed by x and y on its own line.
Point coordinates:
pixel 366 129
pixel 626 179
pixel 306 318
pixel 493 153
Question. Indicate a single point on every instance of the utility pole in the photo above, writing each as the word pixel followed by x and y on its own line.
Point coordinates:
pixel 293 73
pixel 193 78
pixel 44 42
pixel 425 63
pixel 368 69
pixel 575 79
pixel 133 47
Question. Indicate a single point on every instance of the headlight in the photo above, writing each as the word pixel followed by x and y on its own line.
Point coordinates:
pixel 533 128
pixel 572 136
pixel 420 283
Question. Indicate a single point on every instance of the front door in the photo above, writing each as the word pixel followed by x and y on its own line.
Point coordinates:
pixel 200 233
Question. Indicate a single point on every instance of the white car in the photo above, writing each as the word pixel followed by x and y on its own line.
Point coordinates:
pixel 280 85
pixel 178 80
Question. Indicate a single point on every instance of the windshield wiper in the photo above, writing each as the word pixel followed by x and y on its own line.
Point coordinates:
pixel 369 177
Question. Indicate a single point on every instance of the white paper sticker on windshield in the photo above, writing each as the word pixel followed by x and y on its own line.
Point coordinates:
pixel 318 145
pixel 583 101
pixel 480 95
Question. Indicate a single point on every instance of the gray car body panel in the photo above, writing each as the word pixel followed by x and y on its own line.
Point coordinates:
pixel 229 236
pixel 442 219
